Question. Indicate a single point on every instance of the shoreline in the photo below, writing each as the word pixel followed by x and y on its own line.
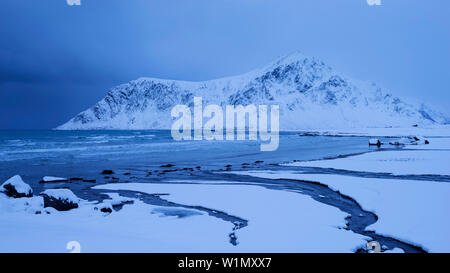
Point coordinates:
pixel 167 173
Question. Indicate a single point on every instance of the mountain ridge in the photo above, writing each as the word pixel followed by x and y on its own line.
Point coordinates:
pixel 310 94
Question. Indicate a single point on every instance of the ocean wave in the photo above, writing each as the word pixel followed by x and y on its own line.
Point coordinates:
pixel 19 142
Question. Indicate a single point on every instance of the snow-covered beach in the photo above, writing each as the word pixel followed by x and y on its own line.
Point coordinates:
pixel 410 210
pixel 337 197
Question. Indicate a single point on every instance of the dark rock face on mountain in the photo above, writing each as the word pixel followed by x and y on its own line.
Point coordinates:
pixel 310 95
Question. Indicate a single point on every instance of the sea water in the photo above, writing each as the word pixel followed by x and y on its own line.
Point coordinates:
pixel 37 153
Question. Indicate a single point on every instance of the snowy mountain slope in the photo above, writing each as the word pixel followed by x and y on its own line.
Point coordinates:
pixel 310 94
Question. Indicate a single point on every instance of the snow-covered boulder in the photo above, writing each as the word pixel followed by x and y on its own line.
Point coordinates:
pixel 16 188
pixel 374 142
pixel 60 199
pixel 114 203
pixel 419 140
pixel 104 207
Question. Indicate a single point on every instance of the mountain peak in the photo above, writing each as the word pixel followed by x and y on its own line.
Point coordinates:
pixel 293 57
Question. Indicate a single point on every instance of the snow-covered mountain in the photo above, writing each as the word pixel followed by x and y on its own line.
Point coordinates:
pixel 310 95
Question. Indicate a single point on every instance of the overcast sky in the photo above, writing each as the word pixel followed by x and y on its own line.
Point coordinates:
pixel 57 60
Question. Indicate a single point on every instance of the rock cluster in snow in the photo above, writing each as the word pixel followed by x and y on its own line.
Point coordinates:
pixel 410 140
pixel 17 195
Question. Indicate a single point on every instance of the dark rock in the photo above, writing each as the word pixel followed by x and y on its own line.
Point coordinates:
pixel 89 180
pixel 427 142
pixel 198 167
pixel 228 166
pixel 76 179
pixel 107 172
pixel 11 191
pixel 118 207
pixel 106 210
pixel 245 164
pixel 396 143
pixel 374 142
pixel 58 204
pixel 167 166
pixel 127 174
pixel 259 161
pixel 309 134
pixel 60 199
pixel 16 188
